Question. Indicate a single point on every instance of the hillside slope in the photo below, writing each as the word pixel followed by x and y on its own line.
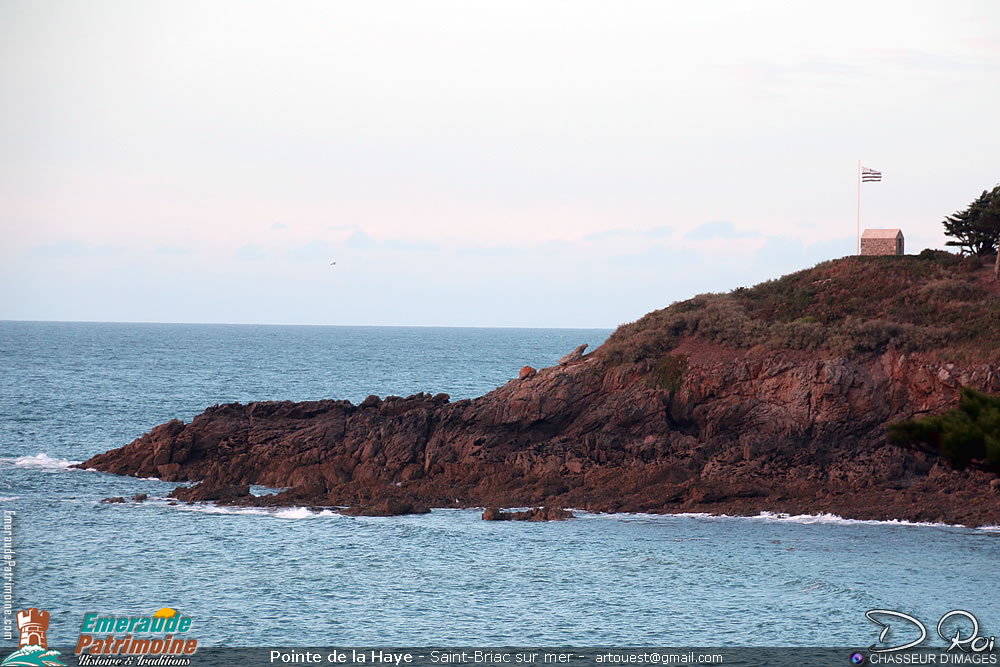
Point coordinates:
pixel 770 398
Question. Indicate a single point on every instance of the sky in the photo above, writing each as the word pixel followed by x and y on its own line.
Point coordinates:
pixel 465 163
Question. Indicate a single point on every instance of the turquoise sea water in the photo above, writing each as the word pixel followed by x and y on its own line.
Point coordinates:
pixel 295 577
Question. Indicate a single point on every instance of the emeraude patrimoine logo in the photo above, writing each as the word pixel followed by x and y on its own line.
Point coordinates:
pixel 32 648
pixel 123 635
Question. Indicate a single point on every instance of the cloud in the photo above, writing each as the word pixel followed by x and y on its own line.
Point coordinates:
pixel 487 251
pixel 172 251
pixel 359 240
pixel 71 248
pixel 313 251
pixel 608 234
pixel 413 246
pixel 784 254
pixel 279 226
pixel 250 251
pixel 925 61
pixel 659 255
pixel 554 245
pixel 719 229
pixel 529 252
pixel 650 233
pixel 774 71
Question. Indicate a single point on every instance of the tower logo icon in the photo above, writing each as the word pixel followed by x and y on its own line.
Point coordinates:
pixel 33 624
pixel 33 648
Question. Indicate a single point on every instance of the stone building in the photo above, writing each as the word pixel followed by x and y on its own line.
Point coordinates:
pixel 882 242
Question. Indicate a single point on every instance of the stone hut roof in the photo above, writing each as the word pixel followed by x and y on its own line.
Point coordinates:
pixel 882 234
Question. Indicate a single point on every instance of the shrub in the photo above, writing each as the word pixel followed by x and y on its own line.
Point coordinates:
pixel 949 289
pixel 802 334
pixel 968 434
pixel 669 372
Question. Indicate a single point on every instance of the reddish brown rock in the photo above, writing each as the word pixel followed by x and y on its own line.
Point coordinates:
pixel 526 372
pixel 533 514
pixel 387 507
pixel 574 356
pixel 211 491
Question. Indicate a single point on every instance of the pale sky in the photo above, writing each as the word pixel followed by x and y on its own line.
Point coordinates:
pixel 502 163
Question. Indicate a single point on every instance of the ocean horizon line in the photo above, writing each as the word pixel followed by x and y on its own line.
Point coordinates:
pixel 342 326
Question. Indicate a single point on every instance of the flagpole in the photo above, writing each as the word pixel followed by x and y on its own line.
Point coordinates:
pixel 859 208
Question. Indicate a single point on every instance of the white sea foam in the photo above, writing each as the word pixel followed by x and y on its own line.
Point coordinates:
pixel 7 499
pixel 216 509
pixel 41 460
pixel 807 519
pixel 280 513
pixel 828 518
pixel 989 529
pixel 822 518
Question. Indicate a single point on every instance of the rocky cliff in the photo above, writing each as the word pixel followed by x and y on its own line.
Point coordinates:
pixel 743 432
pixel 696 427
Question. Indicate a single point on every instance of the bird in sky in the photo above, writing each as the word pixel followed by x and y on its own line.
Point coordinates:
pixel 332 263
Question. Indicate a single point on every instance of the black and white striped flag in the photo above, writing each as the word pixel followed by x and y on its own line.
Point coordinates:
pixel 869 175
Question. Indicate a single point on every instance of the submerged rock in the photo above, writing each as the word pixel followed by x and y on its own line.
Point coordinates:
pixel 533 514
pixel 387 507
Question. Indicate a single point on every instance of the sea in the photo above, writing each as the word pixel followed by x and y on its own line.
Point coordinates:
pixel 296 577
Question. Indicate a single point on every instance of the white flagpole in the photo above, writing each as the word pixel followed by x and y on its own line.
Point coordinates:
pixel 859 208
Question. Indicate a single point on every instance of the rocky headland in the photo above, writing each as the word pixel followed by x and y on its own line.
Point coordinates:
pixel 776 398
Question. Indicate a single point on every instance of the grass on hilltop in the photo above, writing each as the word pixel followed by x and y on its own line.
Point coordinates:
pixel 936 303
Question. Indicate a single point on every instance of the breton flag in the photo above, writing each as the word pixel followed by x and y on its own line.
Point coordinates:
pixel 870 175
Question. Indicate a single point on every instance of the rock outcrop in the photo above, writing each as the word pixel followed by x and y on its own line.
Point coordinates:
pixel 388 507
pixel 736 431
pixel 533 514
pixel 574 356
pixel 211 490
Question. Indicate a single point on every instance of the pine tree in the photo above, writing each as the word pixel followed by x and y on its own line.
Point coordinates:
pixel 977 228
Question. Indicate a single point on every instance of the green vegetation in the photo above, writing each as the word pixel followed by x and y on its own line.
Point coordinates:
pixel 968 434
pixel 669 372
pixel 937 303
pixel 976 229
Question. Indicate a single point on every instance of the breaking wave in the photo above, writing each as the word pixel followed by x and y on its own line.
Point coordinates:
pixel 805 519
pixel 41 460
pixel 280 513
